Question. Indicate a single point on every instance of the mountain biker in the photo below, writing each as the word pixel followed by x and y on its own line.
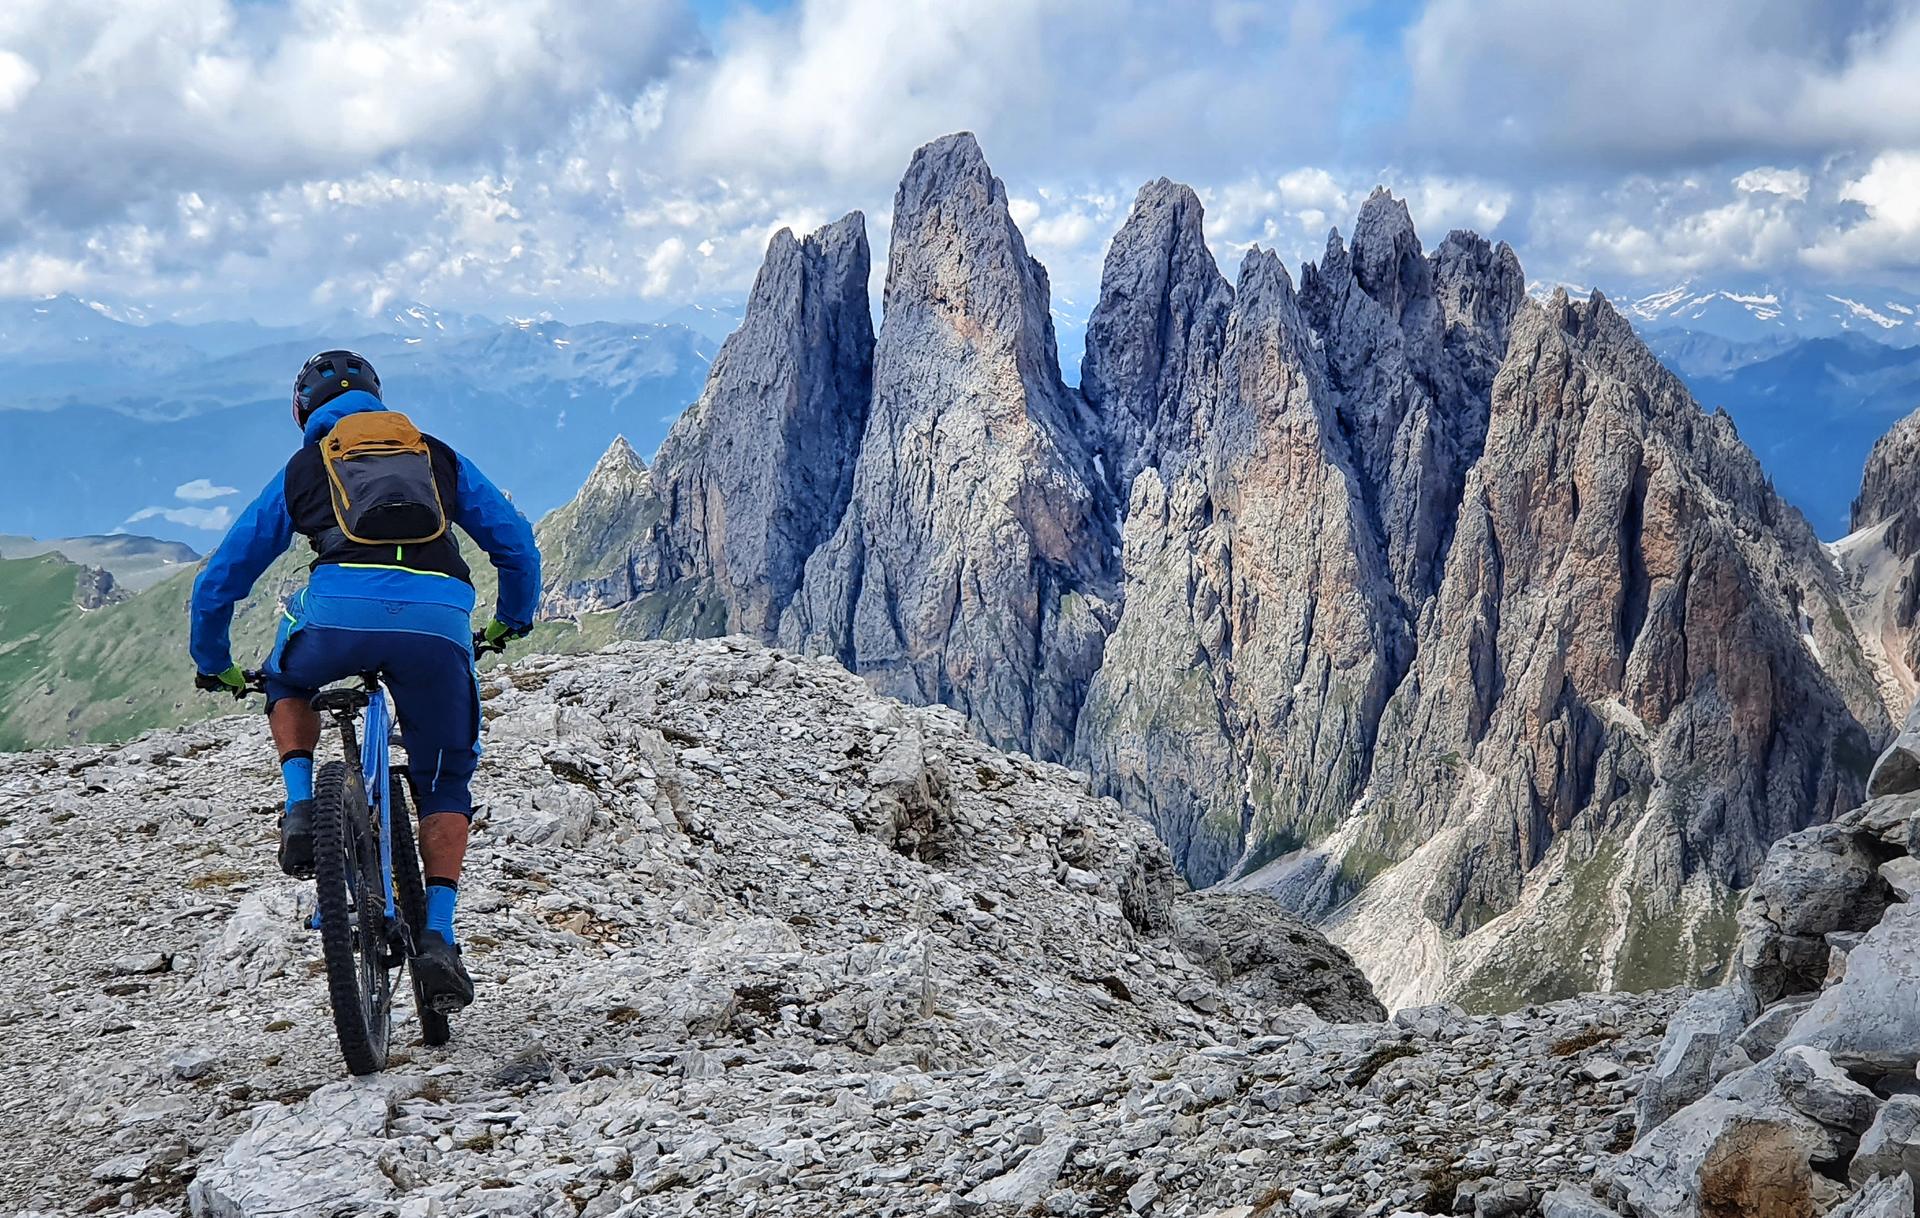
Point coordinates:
pixel 402 609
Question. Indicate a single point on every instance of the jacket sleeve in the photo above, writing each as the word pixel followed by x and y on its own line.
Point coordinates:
pixel 491 520
pixel 249 548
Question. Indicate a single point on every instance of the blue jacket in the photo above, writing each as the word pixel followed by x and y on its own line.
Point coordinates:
pixel 266 528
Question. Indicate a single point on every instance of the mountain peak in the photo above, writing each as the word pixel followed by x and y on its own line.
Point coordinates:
pixel 618 461
pixel 951 167
pixel 1387 258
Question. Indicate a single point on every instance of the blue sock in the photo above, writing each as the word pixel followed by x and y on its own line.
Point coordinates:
pixel 442 896
pixel 296 769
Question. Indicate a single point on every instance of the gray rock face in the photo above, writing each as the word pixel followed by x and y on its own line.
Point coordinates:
pixel 1751 1146
pixel 753 476
pixel 1414 403
pixel 1870 1020
pixel 594 550
pixel 1836 1099
pixel 1603 626
pixel 1891 1146
pixel 756 474
pixel 1239 695
pixel 1156 338
pixel 974 565
pixel 1882 1197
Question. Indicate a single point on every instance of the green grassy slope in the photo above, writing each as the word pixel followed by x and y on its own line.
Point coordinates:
pixel 36 597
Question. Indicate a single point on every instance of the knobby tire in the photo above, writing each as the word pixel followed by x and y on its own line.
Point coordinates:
pixel 357 980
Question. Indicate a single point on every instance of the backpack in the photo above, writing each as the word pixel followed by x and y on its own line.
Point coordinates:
pixel 380 475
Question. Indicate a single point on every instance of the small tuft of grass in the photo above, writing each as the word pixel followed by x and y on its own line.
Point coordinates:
pixel 1580 1042
pixel 1377 1061
pixel 225 877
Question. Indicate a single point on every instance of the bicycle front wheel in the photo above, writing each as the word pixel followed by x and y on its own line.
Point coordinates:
pixel 352 899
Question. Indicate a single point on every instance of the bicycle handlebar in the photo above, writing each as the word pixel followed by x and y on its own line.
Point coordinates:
pixel 257 680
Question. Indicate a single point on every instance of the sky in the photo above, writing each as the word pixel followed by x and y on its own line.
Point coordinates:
pixel 280 159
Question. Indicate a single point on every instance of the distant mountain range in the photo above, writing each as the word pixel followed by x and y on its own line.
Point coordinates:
pixel 134 562
pixel 109 421
pixel 1746 312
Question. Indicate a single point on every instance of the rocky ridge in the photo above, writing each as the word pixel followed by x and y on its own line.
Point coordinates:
pixel 751 940
pixel 1389 592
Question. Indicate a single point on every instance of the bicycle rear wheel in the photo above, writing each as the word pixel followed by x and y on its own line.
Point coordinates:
pixel 346 866
pixel 411 892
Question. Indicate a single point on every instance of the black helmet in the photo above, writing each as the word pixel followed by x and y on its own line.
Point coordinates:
pixel 328 375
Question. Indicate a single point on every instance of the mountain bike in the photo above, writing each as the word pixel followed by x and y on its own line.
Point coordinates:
pixel 371 899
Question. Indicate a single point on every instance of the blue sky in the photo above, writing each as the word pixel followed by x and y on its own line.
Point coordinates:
pixel 281 158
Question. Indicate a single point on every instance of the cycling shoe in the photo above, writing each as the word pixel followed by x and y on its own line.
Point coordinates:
pixel 444 984
pixel 296 840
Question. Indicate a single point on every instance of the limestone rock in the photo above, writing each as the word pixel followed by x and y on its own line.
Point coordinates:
pixel 1815 882
pixel 1880 1197
pixel 1254 946
pixel 318 1157
pixel 1870 1021
pixel 756 474
pixel 1891 1146
pixel 1743 1149
pixel 1568 1201
pixel 974 565
pixel 1761 1037
pixel 1156 337
pixel 1701 1048
pixel 726 995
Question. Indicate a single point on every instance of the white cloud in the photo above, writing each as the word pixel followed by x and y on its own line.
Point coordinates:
pixel 135 100
pixel 599 158
pixel 848 88
pixel 1887 235
pixel 202 489
pixel 1792 183
pixel 211 519
pixel 17 79
pixel 1634 83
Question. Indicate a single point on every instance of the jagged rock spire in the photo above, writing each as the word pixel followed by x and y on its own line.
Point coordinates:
pixel 757 473
pixel 1155 339
pixel 974 564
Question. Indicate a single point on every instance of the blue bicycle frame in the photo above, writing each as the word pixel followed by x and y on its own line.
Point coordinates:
pixel 375 746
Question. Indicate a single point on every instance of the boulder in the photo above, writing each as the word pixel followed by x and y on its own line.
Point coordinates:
pixel 1254 946
pixel 1870 1021
pixel 1880 1197
pixel 1568 1201
pixel 1029 1182
pixel 1820 880
pixel 1897 772
pixel 1886 818
pixel 1753 1146
pixel 1771 1026
pixel 1815 1086
pixel 319 1156
pixel 1902 876
pixel 1701 1047
pixel 1891 1145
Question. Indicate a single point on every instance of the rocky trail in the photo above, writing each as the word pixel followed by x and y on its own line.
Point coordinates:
pixel 750 940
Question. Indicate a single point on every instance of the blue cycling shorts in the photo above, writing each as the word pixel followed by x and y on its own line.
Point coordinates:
pixel 424 652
